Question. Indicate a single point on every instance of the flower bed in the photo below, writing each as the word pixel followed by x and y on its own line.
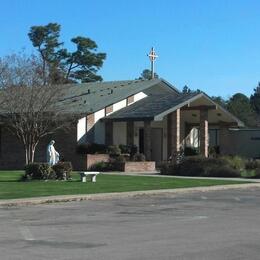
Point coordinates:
pixel 115 160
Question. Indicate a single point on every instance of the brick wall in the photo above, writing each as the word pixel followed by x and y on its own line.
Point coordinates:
pixel 92 159
pixel 12 151
pixel 139 167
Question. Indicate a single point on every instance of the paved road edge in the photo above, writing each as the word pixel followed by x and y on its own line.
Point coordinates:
pixel 118 195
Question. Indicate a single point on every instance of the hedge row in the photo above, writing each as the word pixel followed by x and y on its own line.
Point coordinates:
pixel 204 167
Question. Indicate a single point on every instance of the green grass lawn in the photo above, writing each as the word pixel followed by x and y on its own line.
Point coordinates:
pixel 11 187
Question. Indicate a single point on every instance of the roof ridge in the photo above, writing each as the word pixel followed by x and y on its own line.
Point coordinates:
pixel 112 81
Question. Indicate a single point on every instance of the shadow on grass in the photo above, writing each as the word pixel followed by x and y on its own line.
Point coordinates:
pixel 1 181
pixel 21 180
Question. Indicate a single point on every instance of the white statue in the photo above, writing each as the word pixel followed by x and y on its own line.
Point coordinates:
pixel 52 155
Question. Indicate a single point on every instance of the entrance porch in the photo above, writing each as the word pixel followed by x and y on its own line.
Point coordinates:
pixel 161 132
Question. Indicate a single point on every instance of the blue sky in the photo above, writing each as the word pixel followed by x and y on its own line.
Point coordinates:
pixel 209 45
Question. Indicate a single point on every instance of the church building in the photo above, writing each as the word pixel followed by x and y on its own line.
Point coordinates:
pixel 151 114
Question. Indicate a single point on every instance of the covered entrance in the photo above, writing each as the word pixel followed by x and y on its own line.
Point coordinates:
pixel 160 126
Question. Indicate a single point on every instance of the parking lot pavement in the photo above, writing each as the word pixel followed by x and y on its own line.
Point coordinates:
pixel 202 225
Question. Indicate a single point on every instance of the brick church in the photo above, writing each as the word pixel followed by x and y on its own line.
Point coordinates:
pixel 151 114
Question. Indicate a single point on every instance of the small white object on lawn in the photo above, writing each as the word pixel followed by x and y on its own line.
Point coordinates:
pixel 93 176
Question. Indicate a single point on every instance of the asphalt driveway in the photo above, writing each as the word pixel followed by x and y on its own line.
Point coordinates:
pixel 202 225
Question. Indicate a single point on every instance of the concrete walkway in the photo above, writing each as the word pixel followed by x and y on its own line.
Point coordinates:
pixel 156 174
pixel 119 195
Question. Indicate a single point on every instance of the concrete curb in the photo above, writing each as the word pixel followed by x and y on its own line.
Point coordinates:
pixel 119 195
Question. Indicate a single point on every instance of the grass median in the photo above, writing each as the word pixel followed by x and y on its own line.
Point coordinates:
pixel 12 188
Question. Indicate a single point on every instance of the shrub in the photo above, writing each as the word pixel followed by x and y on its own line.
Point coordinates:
pixel 91 148
pixel 177 157
pixel 235 162
pixel 120 159
pixel 139 157
pixel 133 150
pixel 257 173
pixel 62 170
pixel 213 151
pixel 102 166
pixel 205 167
pixel 222 171
pixel 252 164
pixel 128 149
pixel 125 148
pixel 43 171
pixel 39 171
pixel 188 151
pixel 114 150
pixel 193 166
pixel 248 173
pixel 168 169
pixel 117 162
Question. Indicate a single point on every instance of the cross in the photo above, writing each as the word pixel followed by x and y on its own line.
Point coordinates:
pixel 152 56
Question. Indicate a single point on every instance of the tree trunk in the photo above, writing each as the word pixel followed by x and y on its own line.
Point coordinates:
pixel 32 153
pixel 26 155
pixel 29 153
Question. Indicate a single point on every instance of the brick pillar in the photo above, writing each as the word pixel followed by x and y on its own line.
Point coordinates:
pixel 108 109
pixel 204 133
pixel 130 133
pixel 90 128
pixel 173 121
pixel 147 140
pixel 109 133
pixel 130 100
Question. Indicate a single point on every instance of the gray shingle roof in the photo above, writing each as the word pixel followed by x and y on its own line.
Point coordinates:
pixel 91 97
pixel 150 106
